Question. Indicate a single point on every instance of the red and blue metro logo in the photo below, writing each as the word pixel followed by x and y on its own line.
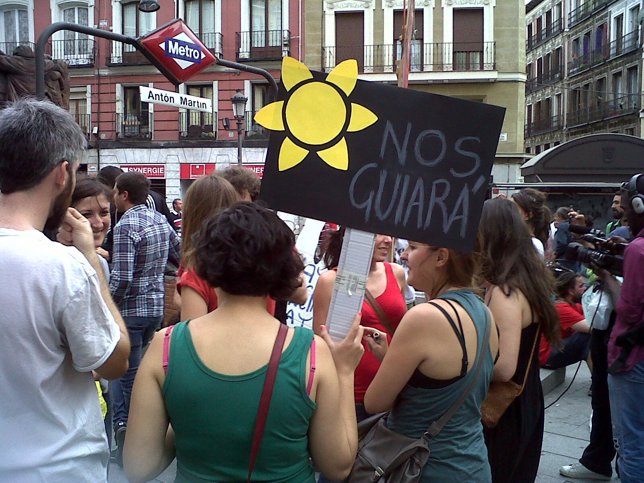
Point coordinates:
pixel 179 50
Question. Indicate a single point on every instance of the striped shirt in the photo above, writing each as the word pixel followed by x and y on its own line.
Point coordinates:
pixel 143 243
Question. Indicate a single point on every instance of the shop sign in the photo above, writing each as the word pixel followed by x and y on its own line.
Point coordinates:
pixel 149 170
pixel 257 168
pixel 194 171
pixel 175 99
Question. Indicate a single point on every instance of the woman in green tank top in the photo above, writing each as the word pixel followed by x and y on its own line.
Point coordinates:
pixel 203 410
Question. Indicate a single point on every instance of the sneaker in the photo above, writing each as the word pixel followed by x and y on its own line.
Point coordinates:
pixel 577 470
pixel 119 437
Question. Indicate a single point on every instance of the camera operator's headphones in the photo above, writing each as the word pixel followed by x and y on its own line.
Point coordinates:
pixel 635 198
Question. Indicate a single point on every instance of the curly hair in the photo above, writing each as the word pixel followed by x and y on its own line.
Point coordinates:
pixel 243 180
pixel 533 203
pixel 205 198
pixel 248 250
pixel 509 261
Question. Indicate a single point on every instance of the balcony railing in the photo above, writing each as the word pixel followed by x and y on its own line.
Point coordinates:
pixel 547 33
pixel 214 41
pixel 76 52
pixel 585 10
pixel 620 106
pixel 9 47
pixel 583 61
pixel 263 44
pixel 623 45
pixel 197 125
pixel 125 54
pixel 254 130
pixel 541 126
pixel 84 121
pixel 135 126
pixel 431 57
pixel 543 80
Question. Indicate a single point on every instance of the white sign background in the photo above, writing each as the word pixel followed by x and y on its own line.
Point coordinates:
pixel 169 98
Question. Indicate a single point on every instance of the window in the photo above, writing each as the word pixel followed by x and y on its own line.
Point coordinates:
pixel 416 50
pixel 618 102
pixel 78 110
pixel 136 23
pixel 76 47
pixel 632 87
pixel 266 23
pixel 259 98
pixel 618 29
pixel 200 17
pixel 14 28
pixel 198 124
pixel 349 37
pixel 468 39
pixel 136 116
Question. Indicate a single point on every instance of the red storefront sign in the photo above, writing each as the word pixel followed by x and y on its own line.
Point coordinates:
pixel 178 49
pixel 149 170
pixel 193 171
pixel 257 168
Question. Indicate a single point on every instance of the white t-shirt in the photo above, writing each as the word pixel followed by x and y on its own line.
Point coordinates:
pixel 54 330
pixel 538 245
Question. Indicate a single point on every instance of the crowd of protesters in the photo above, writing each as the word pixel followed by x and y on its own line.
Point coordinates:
pixel 88 308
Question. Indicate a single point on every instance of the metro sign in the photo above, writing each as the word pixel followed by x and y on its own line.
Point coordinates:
pixel 178 49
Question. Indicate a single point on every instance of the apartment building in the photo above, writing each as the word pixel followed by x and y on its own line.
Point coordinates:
pixel 171 146
pixel 584 70
pixel 471 49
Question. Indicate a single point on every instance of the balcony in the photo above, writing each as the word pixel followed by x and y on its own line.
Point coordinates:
pixel 124 54
pixel 585 11
pixel 84 121
pixel 549 32
pixel 431 57
pixel 197 125
pixel 133 126
pixel 547 78
pixel 76 52
pixel 263 45
pixel 602 110
pixel 624 45
pixel 584 61
pixel 214 41
pixel 254 130
pixel 541 126
pixel 9 47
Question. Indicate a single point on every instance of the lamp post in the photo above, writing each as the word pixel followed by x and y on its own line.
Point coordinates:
pixel 239 112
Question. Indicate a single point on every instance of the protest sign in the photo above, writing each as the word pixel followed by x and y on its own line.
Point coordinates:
pixel 378 158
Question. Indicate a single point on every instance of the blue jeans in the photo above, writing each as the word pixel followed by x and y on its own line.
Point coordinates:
pixel 626 391
pixel 141 330
pixel 575 348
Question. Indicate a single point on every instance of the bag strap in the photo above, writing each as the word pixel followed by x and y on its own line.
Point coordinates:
pixel 166 348
pixel 438 425
pixel 265 400
pixel 377 308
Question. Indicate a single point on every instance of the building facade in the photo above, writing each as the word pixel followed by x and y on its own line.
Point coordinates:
pixel 170 145
pixel 471 49
pixel 584 63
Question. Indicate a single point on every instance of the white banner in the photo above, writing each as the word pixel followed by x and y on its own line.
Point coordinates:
pixel 168 98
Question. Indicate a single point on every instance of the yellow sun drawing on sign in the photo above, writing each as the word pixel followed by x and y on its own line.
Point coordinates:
pixel 316 115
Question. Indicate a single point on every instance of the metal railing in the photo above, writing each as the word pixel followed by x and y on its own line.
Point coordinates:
pixel 546 33
pixel 76 52
pixel 125 54
pixel 136 126
pixel 214 41
pixel 84 121
pixel 543 80
pixel 263 44
pixel 620 106
pixel 254 130
pixel 197 125
pixel 429 57
pixel 623 45
pixel 540 126
pixel 585 10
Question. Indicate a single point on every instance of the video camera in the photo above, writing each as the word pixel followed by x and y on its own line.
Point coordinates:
pixel 609 256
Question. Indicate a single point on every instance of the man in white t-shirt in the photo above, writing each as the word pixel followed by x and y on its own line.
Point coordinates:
pixel 57 322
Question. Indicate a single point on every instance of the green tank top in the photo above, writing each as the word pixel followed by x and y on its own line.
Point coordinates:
pixel 213 416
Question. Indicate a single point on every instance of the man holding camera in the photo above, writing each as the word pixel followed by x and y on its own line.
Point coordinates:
pixel 626 345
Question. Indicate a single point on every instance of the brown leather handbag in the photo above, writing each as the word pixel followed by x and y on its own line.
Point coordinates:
pixel 502 394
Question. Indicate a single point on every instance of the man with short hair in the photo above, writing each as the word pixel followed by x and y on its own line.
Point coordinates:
pixel 617 212
pixel 143 244
pixel 58 322
pixel 626 344
pixel 245 182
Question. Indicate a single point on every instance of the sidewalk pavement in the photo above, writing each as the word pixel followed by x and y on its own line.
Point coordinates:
pixel 566 433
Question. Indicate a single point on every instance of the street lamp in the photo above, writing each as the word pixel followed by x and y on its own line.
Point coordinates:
pixel 148 6
pixel 239 112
